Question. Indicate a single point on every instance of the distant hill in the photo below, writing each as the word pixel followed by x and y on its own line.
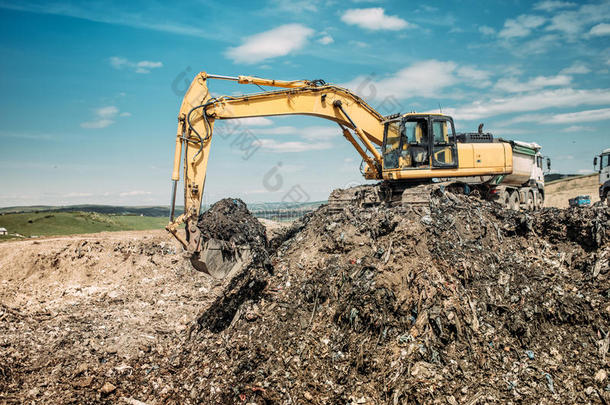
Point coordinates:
pixel 150 211
pixel 265 210
pixel 28 224
pixel 558 176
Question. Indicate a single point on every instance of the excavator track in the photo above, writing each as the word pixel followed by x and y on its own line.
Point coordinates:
pixel 386 194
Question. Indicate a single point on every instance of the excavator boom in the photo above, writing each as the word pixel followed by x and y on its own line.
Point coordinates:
pixel 200 110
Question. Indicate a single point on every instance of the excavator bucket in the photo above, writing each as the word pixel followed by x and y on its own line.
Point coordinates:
pixel 231 239
pixel 219 261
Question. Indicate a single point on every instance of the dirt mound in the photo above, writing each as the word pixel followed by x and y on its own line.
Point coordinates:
pixel 457 302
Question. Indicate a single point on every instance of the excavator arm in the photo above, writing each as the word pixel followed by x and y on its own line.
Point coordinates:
pixel 200 110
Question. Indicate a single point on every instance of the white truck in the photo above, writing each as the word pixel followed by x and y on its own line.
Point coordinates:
pixel 524 187
pixel 604 175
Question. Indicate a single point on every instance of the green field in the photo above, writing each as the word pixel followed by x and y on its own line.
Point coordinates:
pixel 67 223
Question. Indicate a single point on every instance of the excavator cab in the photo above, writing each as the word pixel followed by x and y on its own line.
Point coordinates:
pixel 419 141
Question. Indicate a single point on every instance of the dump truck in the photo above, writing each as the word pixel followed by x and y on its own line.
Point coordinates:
pixel 604 174
pixel 409 154
pixel 524 186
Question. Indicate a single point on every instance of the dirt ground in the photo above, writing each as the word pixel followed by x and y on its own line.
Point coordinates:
pixel 559 192
pixel 458 302
pixel 69 305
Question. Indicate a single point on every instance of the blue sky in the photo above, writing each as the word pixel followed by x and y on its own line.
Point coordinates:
pixel 89 91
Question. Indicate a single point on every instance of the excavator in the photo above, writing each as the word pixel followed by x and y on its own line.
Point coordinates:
pixel 403 151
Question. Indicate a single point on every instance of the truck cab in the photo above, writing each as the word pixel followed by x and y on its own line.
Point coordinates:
pixel 602 164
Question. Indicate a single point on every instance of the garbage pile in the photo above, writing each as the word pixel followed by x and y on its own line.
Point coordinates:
pixel 458 302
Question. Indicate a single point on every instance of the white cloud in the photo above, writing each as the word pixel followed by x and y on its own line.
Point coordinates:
pixel 279 41
pixel 600 30
pixel 97 124
pixel 374 19
pixel 577 128
pixel 537 45
pixel 551 5
pixel 531 102
pixel 475 77
pixel 577 68
pixel 359 44
pixel 485 30
pixel 104 117
pixel 143 66
pixel 326 39
pixel 602 114
pixel 107 112
pixel 512 85
pixel 77 194
pixel 521 26
pixel 312 138
pixel 296 6
pixel 421 79
pixel 293 146
pixel 134 193
pixel 572 22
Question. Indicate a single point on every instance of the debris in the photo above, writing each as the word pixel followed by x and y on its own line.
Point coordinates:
pixel 473 304
pixel 549 382
pixel 131 401
pixel 107 388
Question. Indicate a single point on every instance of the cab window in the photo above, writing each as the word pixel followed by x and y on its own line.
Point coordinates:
pixel 442 131
pixel 444 153
pixel 392 145
pixel 416 132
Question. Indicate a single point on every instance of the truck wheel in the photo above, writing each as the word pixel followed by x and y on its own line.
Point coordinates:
pixel 540 201
pixel 530 202
pixel 504 199
pixel 513 203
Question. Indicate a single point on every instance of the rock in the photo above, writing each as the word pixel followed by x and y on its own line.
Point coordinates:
pixel 601 375
pixel 308 396
pixel 83 382
pixel 422 370
pixel 107 388
pixel 132 401
pixel 81 368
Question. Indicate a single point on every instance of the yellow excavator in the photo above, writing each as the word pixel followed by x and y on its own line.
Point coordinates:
pixel 400 150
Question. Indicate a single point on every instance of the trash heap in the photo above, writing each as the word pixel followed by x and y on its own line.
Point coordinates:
pixel 458 302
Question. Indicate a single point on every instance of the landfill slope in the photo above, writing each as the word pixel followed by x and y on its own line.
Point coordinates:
pixel 463 302
pixel 458 302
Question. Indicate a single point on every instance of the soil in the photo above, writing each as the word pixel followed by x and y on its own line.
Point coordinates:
pixel 458 302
